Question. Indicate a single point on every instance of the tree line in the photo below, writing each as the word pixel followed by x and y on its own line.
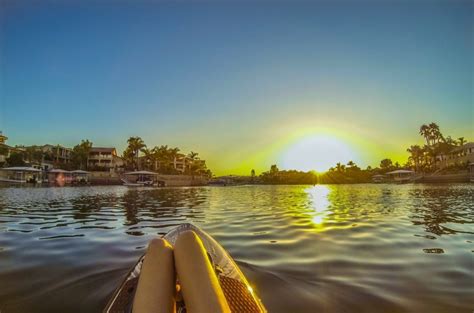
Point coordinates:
pixel 137 156
pixel 287 177
pixel 421 159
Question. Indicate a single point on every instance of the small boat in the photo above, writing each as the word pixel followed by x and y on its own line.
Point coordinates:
pixel 80 177
pixel 237 290
pixel 140 179
pixel 378 179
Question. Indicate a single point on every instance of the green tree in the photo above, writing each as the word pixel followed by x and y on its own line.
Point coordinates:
pixel 431 133
pixel 340 167
pixel 386 164
pixel 161 157
pixel 3 150
pixel 16 159
pixel 435 133
pixel 425 131
pixel 80 154
pixel 193 156
pixel 196 166
pixel 132 152
pixel 416 155
pixel 461 141
pixel 33 154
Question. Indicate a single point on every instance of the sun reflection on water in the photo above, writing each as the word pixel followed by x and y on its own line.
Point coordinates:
pixel 318 196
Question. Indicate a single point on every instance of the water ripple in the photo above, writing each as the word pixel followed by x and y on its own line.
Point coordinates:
pixel 353 248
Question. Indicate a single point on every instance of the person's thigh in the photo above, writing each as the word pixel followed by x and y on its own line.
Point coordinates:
pixel 156 290
pixel 199 284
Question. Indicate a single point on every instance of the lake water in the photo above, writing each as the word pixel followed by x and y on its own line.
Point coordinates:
pixel 347 248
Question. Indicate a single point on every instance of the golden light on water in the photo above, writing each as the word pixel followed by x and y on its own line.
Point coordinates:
pixel 316 152
pixel 319 201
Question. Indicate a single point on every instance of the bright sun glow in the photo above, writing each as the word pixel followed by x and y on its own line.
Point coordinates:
pixel 317 152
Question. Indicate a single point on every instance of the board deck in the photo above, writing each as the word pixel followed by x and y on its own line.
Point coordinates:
pixel 237 290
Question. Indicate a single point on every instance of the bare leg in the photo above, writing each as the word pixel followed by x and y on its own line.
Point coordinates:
pixel 199 284
pixel 156 290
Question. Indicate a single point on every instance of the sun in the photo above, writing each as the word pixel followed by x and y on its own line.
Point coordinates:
pixel 316 152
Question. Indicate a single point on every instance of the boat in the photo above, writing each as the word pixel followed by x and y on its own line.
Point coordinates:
pixel 237 290
pixel 20 175
pixel 378 179
pixel 140 179
pixel 401 176
pixel 80 177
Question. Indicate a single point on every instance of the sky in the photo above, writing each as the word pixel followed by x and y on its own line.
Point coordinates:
pixel 245 84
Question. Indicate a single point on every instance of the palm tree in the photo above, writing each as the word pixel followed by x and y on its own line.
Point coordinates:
pixel 436 134
pixel 173 155
pixel 425 131
pixel 193 166
pixel 193 155
pixel 450 141
pixel 461 141
pixel 416 154
pixel 149 157
pixel 135 144
pixel 161 158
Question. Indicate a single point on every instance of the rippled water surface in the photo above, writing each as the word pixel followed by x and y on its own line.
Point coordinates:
pixel 358 248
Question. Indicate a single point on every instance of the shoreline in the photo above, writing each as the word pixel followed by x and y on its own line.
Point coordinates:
pixel 112 179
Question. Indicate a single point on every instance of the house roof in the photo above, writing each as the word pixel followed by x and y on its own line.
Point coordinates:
pixel 141 173
pixel 21 169
pixel 48 146
pixel 102 149
pixel 464 146
pixel 400 172
pixel 79 172
pixel 58 170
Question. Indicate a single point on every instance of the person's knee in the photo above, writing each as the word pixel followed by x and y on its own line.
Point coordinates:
pixel 158 244
pixel 186 239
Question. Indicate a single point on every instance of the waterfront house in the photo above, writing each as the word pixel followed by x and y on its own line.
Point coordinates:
pixel 400 176
pixel 463 155
pixel 3 138
pixel 104 159
pixel 56 153
pixel 4 148
pixel 181 163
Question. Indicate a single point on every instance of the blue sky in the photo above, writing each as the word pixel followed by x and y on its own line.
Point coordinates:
pixel 233 79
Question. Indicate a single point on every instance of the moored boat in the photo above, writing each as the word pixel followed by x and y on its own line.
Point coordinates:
pixel 140 179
